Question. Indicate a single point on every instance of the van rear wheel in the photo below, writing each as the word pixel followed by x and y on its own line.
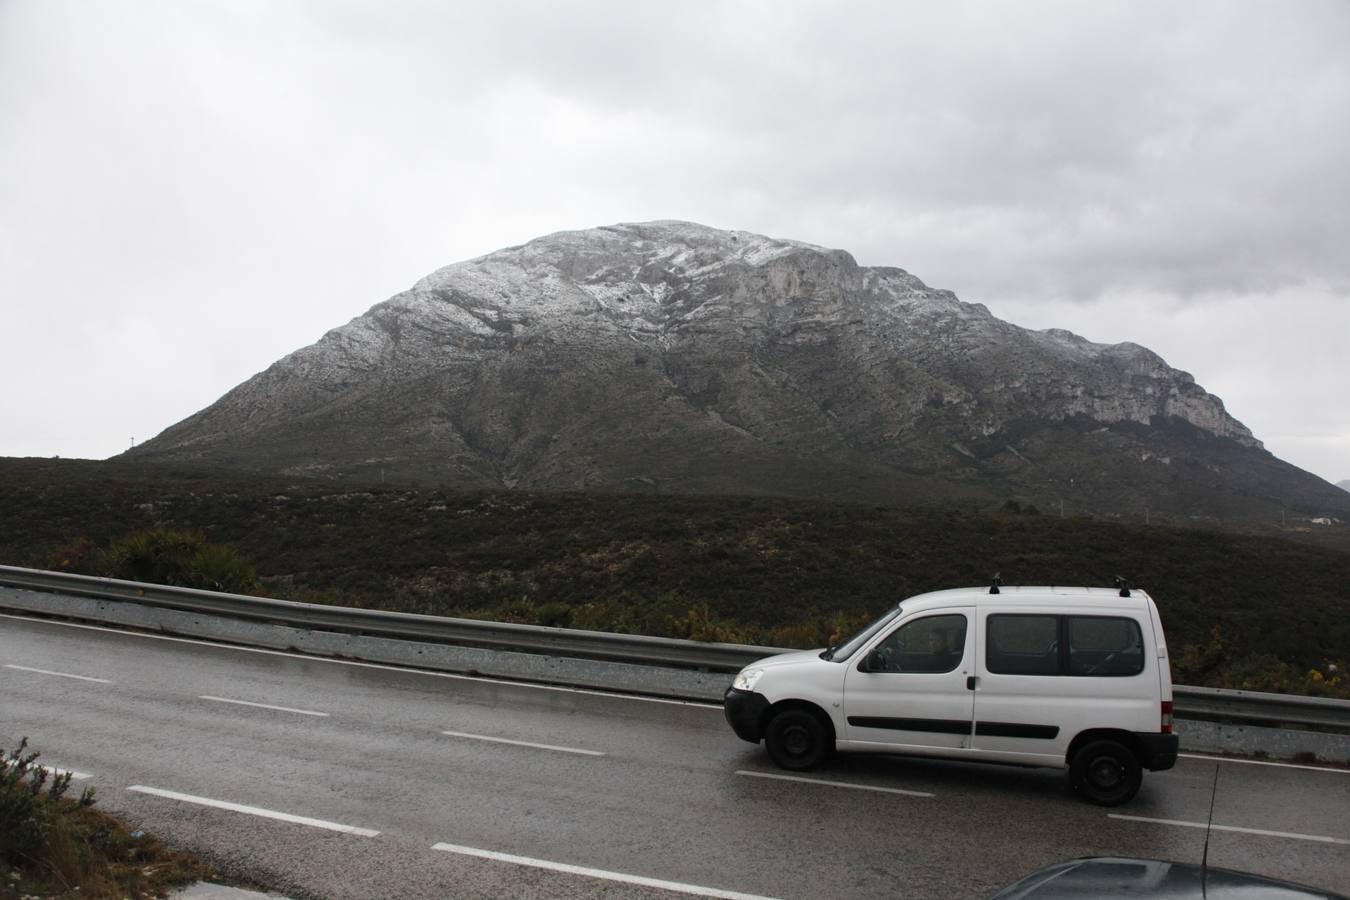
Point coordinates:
pixel 796 740
pixel 1105 773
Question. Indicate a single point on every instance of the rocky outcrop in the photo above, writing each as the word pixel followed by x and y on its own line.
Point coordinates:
pixel 672 356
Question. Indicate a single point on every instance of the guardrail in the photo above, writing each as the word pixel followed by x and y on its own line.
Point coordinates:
pixel 1257 708
pixel 634 648
pixel 1195 703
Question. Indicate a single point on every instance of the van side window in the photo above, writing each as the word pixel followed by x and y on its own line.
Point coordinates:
pixel 1023 645
pixel 1026 644
pixel 1105 645
pixel 930 644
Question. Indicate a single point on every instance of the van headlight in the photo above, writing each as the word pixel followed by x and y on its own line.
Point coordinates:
pixel 747 679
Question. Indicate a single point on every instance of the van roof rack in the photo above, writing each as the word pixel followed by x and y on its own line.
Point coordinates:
pixel 1121 586
pixel 993 588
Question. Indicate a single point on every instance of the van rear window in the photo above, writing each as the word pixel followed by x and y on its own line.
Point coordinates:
pixel 1033 644
pixel 1105 645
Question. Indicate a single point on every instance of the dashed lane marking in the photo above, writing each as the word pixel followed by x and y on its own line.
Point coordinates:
pixel 253 811
pixel 838 784
pixel 498 740
pixel 636 880
pixel 302 712
pixel 1319 838
pixel 58 674
pixel 74 776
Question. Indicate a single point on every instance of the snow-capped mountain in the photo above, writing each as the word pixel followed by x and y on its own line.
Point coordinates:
pixel 672 356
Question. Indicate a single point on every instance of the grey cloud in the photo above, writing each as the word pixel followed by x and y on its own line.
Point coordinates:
pixel 295 161
pixel 1077 150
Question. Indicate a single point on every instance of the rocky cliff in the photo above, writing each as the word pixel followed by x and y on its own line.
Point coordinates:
pixel 670 356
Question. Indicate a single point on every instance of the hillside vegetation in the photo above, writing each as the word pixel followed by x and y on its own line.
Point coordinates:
pixel 1264 613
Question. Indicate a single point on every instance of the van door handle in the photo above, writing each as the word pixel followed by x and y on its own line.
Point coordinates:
pixel 970 682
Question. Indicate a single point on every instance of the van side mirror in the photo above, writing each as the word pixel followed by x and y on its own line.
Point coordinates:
pixel 875 661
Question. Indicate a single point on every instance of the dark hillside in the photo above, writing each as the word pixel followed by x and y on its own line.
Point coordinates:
pixel 1246 610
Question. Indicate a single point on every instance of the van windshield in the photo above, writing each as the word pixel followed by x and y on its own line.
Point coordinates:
pixel 844 649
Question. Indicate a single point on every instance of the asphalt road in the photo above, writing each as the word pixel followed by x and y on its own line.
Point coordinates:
pixel 415 784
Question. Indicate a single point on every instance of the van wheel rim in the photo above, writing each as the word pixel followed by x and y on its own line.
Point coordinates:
pixel 1107 773
pixel 797 741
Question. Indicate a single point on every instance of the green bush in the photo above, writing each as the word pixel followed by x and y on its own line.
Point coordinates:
pixel 54 846
pixel 26 809
pixel 178 558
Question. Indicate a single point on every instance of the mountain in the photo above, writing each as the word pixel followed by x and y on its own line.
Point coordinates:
pixel 673 357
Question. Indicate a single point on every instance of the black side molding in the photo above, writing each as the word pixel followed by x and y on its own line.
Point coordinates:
pixel 1017 730
pixel 958 726
pixel 935 726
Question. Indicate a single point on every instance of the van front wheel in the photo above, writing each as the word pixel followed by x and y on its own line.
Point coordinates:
pixel 1106 773
pixel 796 740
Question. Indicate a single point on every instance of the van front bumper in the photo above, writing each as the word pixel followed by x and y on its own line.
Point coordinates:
pixel 1159 751
pixel 745 713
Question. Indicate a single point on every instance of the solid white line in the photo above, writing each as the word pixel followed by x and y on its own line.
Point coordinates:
pixel 497 740
pixel 59 674
pixel 838 784
pixel 254 811
pixel 1262 762
pixel 303 712
pixel 612 695
pixel 638 880
pixel 1321 839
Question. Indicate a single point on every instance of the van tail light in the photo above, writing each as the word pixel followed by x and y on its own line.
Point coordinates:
pixel 1167 717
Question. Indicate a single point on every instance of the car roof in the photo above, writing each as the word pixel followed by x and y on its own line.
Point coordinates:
pixel 1021 595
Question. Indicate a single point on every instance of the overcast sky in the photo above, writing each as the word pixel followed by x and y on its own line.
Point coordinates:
pixel 189 190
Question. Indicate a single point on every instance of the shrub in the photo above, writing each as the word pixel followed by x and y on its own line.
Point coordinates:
pixel 79 555
pixel 178 558
pixel 51 845
pixel 26 810
pixel 555 614
pixel 699 623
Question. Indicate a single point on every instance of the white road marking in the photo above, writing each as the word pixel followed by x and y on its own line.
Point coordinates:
pixel 612 695
pixel 1321 839
pixel 74 776
pixel 253 811
pixel 1262 762
pixel 53 770
pixel 497 740
pixel 638 880
pixel 303 712
pixel 58 674
pixel 838 784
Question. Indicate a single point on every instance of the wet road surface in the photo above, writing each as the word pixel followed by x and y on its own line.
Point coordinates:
pixel 324 778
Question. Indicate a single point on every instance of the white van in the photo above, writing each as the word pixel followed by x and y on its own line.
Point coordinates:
pixel 1051 676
